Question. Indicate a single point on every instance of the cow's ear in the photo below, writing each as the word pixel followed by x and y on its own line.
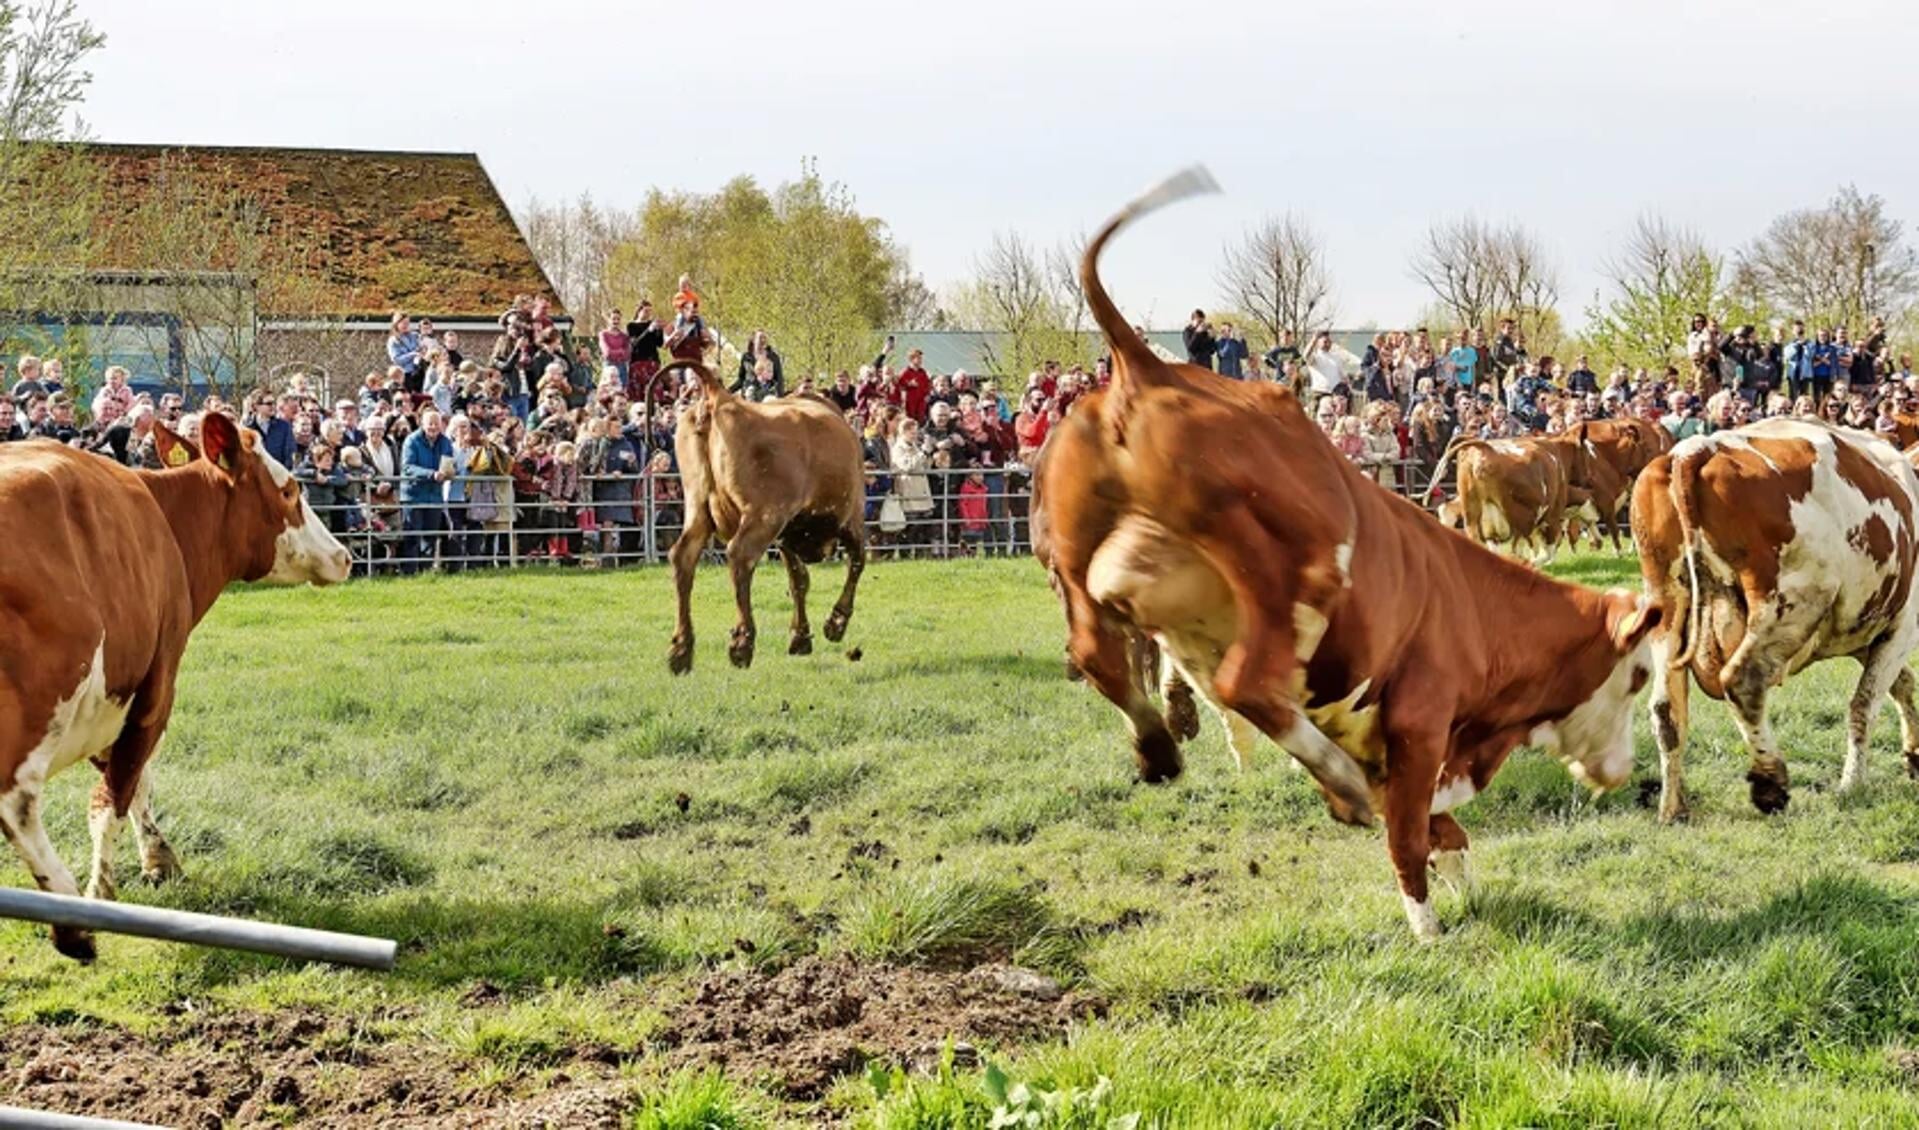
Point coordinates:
pixel 220 439
pixel 1629 618
pixel 174 449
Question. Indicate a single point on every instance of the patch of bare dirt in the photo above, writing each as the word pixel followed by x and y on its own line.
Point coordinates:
pixel 803 1026
pixel 300 1068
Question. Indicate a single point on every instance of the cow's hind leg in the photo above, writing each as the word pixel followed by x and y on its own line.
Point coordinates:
pixel 1280 626
pixel 853 537
pixel 1881 665
pixel 20 820
pixel 158 863
pixel 1774 634
pixel 685 556
pixel 1902 700
pixel 123 777
pixel 800 640
pixel 1100 647
pixel 1670 690
pixel 743 553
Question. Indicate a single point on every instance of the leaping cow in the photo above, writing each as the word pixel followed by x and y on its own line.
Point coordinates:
pixel 1772 547
pixel 1398 662
pixel 106 572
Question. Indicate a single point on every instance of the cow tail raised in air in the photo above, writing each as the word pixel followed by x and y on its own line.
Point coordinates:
pixel 710 384
pixel 1135 366
pixel 1684 475
pixel 1445 457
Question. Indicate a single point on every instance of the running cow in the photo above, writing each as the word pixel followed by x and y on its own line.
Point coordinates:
pixel 105 574
pixel 1158 514
pixel 785 473
pixel 1770 548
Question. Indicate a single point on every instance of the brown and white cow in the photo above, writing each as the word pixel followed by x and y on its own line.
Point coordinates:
pixel 1772 547
pixel 1512 492
pixel 1398 662
pixel 106 572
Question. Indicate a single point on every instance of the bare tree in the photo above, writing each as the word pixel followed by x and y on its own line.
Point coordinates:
pixel 574 241
pixel 1525 282
pixel 1277 275
pixel 1839 265
pixel 1011 296
pixel 1459 263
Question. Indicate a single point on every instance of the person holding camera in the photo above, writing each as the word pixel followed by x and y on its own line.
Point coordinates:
pixel 1201 345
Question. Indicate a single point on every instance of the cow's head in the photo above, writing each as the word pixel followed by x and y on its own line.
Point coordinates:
pixel 269 523
pixel 1595 740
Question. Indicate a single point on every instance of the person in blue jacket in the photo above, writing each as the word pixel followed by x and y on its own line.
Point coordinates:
pixel 425 466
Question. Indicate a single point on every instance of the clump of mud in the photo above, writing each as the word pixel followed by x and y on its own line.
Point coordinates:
pixel 801 1027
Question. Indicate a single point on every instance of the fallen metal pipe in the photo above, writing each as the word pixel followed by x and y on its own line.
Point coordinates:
pixel 13 1116
pixel 197 929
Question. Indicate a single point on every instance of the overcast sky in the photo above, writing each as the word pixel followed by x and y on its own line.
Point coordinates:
pixel 951 121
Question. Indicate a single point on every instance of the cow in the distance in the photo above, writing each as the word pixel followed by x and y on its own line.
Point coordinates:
pixel 785 473
pixel 105 574
pixel 1772 547
pixel 1398 662
pixel 1511 492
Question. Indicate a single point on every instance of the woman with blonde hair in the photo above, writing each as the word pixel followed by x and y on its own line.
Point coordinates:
pixel 909 462
pixel 1380 455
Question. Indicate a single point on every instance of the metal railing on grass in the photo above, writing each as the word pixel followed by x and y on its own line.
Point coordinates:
pixel 397 526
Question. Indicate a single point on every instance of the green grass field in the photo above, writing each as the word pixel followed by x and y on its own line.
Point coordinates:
pixel 498 771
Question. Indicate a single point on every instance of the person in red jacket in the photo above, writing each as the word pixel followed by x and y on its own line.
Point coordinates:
pixel 1031 425
pixel 914 384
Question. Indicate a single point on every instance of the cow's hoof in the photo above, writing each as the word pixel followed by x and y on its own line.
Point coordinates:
pixel 836 625
pixel 679 660
pixel 740 651
pixel 1182 717
pixel 1912 764
pixel 1157 755
pixel 1675 814
pixel 158 871
pixel 1768 795
pixel 800 645
pixel 76 944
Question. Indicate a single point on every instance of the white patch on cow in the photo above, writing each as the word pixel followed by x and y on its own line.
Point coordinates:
pixel 1595 740
pixel 83 724
pixel 1507 447
pixel 1343 560
pixel 1309 627
pixel 307 553
pixel 278 472
pixel 1420 914
pixel 1451 794
pixel 1494 527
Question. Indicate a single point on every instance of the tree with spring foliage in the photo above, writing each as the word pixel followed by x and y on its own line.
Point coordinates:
pixel 800 262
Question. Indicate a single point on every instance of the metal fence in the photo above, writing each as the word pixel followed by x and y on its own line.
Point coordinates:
pixel 484 522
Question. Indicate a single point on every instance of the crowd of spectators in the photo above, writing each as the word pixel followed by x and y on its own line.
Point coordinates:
pixel 534 448
pixel 1395 408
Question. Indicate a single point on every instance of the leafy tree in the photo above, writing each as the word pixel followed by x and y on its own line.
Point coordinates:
pixel 802 263
pixel 1660 277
